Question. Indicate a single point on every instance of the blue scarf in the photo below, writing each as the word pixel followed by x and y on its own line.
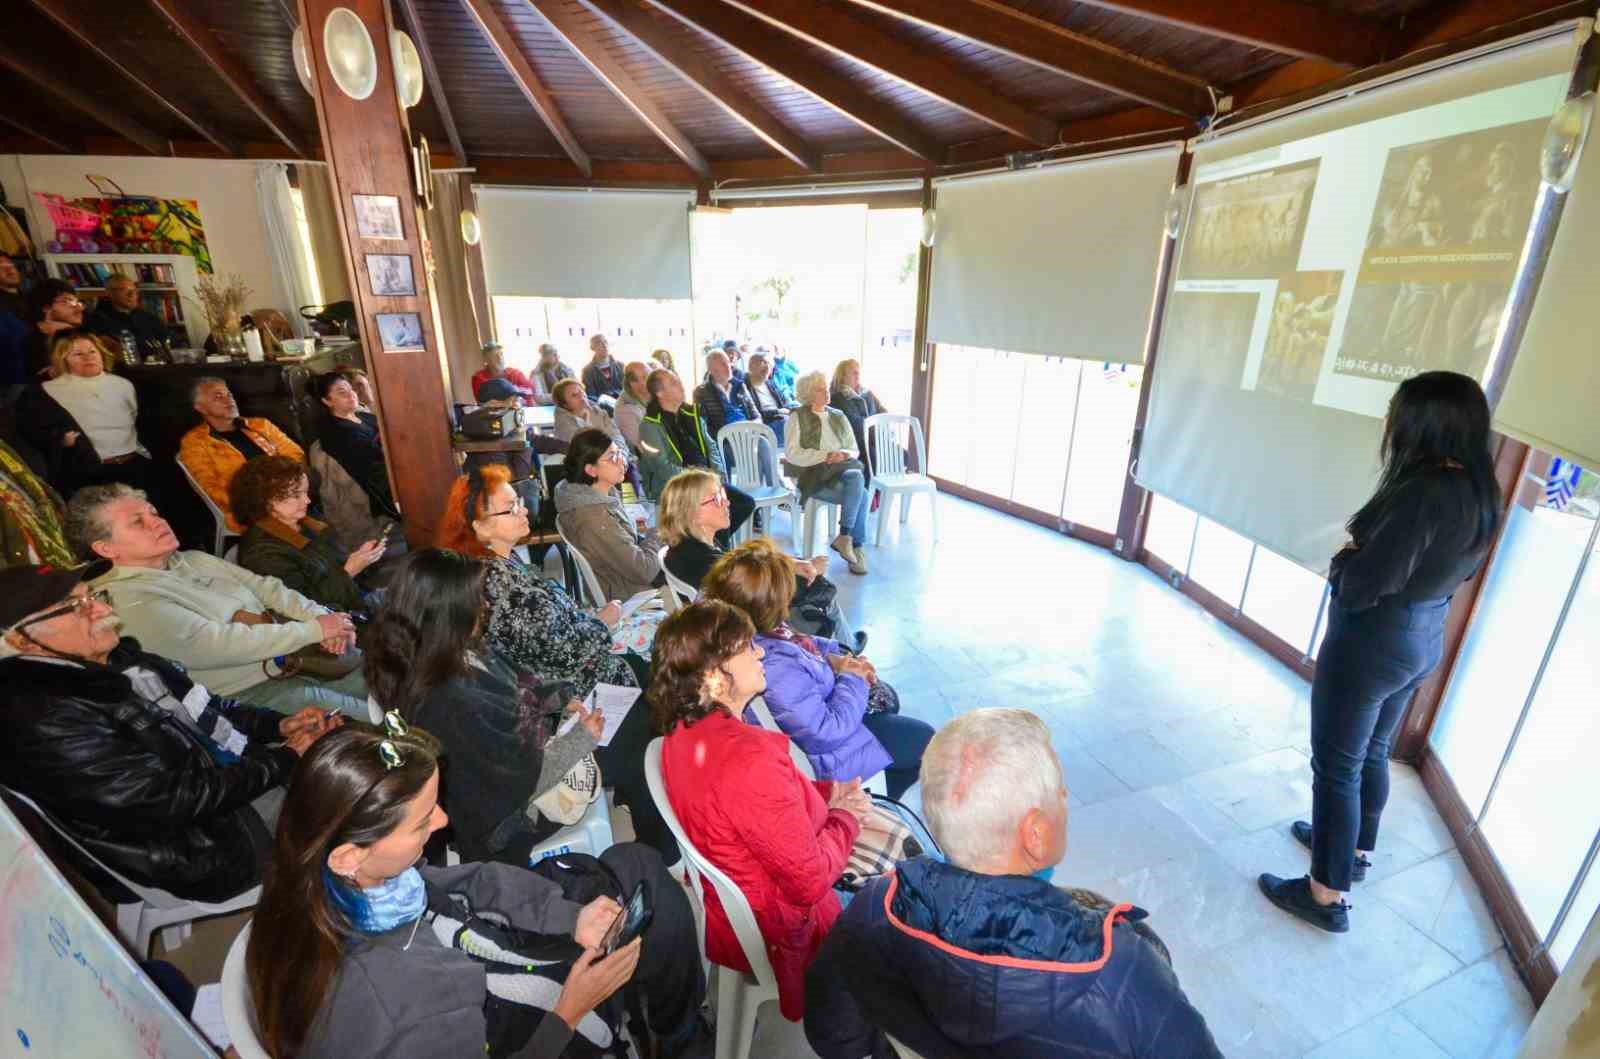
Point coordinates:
pixel 378 909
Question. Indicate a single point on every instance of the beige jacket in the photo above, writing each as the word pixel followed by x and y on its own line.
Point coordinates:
pixel 597 526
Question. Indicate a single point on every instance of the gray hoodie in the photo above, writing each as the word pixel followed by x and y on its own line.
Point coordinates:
pixel 596 525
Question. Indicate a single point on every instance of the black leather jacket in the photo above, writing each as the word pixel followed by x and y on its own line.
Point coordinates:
pixel 134 785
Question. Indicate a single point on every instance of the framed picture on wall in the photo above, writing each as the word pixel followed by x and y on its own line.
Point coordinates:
pixel 400 332
pixel 391 275
pixel 378 216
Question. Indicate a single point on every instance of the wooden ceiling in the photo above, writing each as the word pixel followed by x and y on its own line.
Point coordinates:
pixel 689 91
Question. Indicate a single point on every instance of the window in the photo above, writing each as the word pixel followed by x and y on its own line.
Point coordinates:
pixel 303 230
pixel 1284 597
pixel 632 326
pixel 1220 562
pixel 1170 534
pixel 1108 402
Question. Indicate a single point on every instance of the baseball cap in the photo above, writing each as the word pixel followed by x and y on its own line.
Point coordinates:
pixel 496 390
pixel 26 590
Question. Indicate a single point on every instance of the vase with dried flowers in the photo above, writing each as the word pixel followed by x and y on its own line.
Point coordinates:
pixel 223 301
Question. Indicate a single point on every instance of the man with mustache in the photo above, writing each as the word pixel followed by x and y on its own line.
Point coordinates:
pixel 171 785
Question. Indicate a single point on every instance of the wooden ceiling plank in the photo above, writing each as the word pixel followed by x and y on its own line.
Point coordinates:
pixel 49 80
pixel 28 130
pixel 1285 26
pixel 836 30
pixel 516 64
pixel 640 26
pixel 200 38
pixel 430 71
pixel 91 39
pixel 583 43
pixel 745 36
pixel 1009 31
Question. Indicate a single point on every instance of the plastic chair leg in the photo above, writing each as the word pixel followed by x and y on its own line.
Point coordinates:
pixel 128 917
pixel 735 1025
pixel 875 494
pixel 905 507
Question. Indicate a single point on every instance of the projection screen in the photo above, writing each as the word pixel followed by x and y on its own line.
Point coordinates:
pixel 1325 257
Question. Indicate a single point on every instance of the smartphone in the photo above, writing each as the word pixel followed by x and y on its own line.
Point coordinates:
pixel 630 922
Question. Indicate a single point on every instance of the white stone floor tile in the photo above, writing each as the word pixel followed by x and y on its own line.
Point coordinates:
pixel 1481 1012
pixel 1385 1037
pixel 1440 898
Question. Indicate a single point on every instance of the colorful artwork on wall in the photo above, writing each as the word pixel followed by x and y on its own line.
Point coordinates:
pixel 127 224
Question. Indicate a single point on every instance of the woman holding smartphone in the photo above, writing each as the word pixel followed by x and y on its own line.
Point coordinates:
pixel 1424 531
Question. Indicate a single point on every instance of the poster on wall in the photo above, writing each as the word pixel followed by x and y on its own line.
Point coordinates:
pixel 127 224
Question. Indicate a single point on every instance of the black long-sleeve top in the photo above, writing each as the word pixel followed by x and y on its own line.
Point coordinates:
pixel 1419 547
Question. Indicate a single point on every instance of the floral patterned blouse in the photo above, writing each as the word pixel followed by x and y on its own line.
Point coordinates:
pixel 537 627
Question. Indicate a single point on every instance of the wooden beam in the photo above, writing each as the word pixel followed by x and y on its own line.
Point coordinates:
pixel 1285 26
pixel 632 18
pixel 516 64
pixel 746 36
pixel 592 53
pixel 90 38
pixel 1009 31
pixel 230 69
pixel 50 80
pixel 419 37
pixel 28 130
pixel 835 30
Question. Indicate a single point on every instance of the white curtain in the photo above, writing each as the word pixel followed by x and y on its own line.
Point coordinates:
pixel 289 254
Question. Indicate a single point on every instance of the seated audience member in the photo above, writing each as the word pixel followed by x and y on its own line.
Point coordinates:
pixel 672 437
pixel 722 398
pixel 602 376
pixel 550 370
pixel 590 515
pixel 781 838
pixel 845 394
pixel 214 450
pixel 53 307
pixel 575 412
pixel 981 955
pixel 361 383
pixel 820 448
pixel 360 951
pixel 661 358
pixel 532 622
pixel 817 691
pixel 84 418
pixel 511 782
pixel 784 374
pixel 735 354
pixel 765 397
pixel 631 405
pixel 31 516
pixel 495 367
pixel 693 510
pixel 11 299
pixel 15 328
pixel 500 394
pixel 357 498
pixel 119 312
pixel 215 618
pixel 271 495
pixel 168 783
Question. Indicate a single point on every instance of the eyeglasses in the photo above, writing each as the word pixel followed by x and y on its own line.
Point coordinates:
pixel 719 498
pixel 518 507
pixel 388 752
pixel 68 301
pixel 82 603
pixel 615 455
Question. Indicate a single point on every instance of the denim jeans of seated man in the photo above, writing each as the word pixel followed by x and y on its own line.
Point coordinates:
pixel 347 695
pixel 850 493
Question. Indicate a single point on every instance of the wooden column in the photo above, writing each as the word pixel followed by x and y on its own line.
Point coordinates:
pixel 367 145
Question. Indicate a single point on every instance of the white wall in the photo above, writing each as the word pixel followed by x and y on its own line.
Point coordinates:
pixel 225 190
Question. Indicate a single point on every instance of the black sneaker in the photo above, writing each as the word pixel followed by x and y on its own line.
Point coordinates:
pixel 1294 897
pixel 1302 833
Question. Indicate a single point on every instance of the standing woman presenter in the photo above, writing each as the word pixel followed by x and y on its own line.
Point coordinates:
pixel 1424 531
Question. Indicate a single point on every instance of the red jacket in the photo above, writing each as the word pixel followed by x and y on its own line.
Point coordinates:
pixel 750 812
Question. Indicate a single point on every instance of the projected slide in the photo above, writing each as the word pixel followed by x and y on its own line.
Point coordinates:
pixel 1366 254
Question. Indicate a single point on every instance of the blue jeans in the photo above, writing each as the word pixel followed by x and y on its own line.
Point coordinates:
pixel 905 738
pixel 1371 662
pixel 849 491
pixel 293 694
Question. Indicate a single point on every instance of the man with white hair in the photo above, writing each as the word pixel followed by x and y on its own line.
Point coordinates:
pixel 982 955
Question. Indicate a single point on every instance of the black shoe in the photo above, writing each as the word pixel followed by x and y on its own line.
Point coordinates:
pixel 861 641
pixel 1294 897
pixel 1302 833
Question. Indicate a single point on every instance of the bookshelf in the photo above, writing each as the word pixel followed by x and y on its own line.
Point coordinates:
pixel 166 286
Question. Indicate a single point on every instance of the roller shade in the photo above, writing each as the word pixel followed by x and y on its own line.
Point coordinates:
pixel 585 244
pixel 1060 260
pixel 1549 400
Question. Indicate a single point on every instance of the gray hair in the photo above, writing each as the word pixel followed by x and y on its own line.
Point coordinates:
pixel 809 383
pixel 981 774
pixel 84 526
pixel 201 383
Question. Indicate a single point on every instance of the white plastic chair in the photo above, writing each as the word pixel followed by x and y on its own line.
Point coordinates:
pixel 757 706
pixel 223 532
pixel 887 437
pixel 238 1010
pixel 901 1050
pixel 682 592
pixel 830 513
pixel 591 834
pixel 739 995
pixel 588 581
pixel 154 909
pixel 753 467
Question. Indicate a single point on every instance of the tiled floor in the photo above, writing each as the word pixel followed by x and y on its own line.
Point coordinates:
pixel 1186 755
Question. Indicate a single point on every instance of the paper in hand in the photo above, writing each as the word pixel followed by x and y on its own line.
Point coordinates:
pixel 613 701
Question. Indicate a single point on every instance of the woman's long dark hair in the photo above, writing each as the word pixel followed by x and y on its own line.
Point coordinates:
pixel 341 791
pixel 586 447
pixel 1437 419
pixel 430 618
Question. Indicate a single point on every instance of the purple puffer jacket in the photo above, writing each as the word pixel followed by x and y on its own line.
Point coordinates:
pixel 821 712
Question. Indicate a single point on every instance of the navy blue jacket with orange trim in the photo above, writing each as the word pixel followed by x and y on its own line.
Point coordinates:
pixel 957 965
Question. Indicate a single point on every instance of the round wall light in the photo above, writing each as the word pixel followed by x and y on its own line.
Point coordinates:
pixel 1564 139
pixel 302 59
pixel 471 230
pixel 351 58
pixel 407 69
pixel 930 227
